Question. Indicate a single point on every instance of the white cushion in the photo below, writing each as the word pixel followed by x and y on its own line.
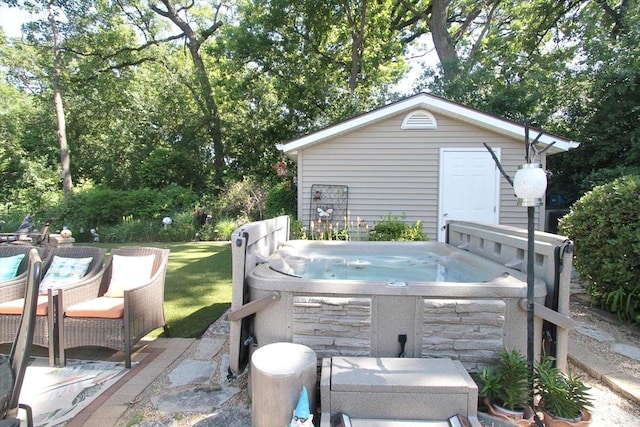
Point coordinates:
pixel 64 271
pixel 127 272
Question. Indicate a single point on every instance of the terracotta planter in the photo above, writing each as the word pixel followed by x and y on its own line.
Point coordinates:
pixel 514 417
pixel 551 421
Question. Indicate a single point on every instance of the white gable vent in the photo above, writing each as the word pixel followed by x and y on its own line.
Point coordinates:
pixel 419 119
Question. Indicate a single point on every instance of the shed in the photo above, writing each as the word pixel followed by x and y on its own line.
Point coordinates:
pixel 420 158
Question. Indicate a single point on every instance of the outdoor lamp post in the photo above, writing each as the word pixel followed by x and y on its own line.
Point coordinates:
pixel 530 184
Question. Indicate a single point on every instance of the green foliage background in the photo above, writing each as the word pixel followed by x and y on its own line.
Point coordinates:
pixel 139 125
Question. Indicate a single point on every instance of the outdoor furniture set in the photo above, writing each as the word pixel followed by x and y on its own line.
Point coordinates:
pixel 82 301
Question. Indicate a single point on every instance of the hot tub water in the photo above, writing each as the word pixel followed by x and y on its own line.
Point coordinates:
pixel 389 268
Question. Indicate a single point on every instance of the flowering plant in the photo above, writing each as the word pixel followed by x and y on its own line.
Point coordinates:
pixel 281 169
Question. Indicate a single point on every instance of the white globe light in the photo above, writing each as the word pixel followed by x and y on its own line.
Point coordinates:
pixel 166 220
pixel 530 184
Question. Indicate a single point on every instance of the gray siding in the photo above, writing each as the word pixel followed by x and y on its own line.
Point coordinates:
pixel 390 170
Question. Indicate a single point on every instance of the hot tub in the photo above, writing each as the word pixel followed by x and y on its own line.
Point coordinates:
pixel 386 315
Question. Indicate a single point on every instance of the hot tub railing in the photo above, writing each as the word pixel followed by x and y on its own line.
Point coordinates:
pixel 553 264
pixel 251 244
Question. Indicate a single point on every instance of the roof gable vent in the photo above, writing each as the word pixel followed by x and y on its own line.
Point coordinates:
pixel 419 119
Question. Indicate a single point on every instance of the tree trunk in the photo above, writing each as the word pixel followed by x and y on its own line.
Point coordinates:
pixel 65 161
pixel 207 103
pixel 358 28
pixel 213 120
pixel 442 41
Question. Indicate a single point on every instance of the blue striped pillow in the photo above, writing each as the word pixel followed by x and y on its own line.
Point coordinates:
pixel 63 271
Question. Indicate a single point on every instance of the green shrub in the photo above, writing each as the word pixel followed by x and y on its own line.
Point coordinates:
pixel 282 200
pixel 394 228
pixel 605 227
pixel 243 200
pixel 131 229
pixel 224 228
pixel 297 230
pixel 91 206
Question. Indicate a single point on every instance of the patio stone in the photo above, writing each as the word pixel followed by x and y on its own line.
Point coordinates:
pixel 196 400
pixel 158 423
pixel 630 351
pixel 208 348
pixel 228 417
pixel 192 372
pixel 593 332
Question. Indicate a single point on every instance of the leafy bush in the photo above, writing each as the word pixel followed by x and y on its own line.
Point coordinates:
pixel 99 206
pixel 394 228
pixel 605 227
pixel 243 200
pixel 282 200
pixel 139 230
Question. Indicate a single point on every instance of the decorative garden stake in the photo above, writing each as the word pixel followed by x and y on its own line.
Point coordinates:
pixel 166 221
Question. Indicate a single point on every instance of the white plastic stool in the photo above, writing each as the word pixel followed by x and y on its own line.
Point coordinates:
pixel 278 372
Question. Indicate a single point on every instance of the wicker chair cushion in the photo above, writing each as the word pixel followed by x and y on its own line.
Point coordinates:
pixel 9 266
pixel 101 307
pixel 128 272
pixel 15 306
pixel 64 271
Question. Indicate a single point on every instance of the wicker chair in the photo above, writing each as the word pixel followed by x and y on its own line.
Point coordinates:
pixel 13 377
pixel 139 311
pixel 45 325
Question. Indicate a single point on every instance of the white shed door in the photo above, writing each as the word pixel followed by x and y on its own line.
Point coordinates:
pixel 469 187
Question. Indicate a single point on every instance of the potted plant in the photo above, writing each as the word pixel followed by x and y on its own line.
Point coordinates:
pixel 506 387
pixel 564 398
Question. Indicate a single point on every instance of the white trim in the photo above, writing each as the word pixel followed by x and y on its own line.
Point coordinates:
pixel 435 105
pixel 419 119
pixel 497 202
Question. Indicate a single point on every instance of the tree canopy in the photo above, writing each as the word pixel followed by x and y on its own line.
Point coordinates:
pixel 149 94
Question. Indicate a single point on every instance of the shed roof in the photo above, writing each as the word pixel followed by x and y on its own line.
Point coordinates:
pixel 434 104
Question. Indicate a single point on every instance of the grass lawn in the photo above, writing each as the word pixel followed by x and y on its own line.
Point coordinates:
pixel 198 285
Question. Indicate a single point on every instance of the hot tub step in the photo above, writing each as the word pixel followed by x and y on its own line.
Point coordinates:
pixel 397 389
pixel 368 422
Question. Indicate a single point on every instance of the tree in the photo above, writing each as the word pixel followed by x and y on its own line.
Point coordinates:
pixel 204 96
pixel 603 109
pixel 52 36
pixel 65 162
